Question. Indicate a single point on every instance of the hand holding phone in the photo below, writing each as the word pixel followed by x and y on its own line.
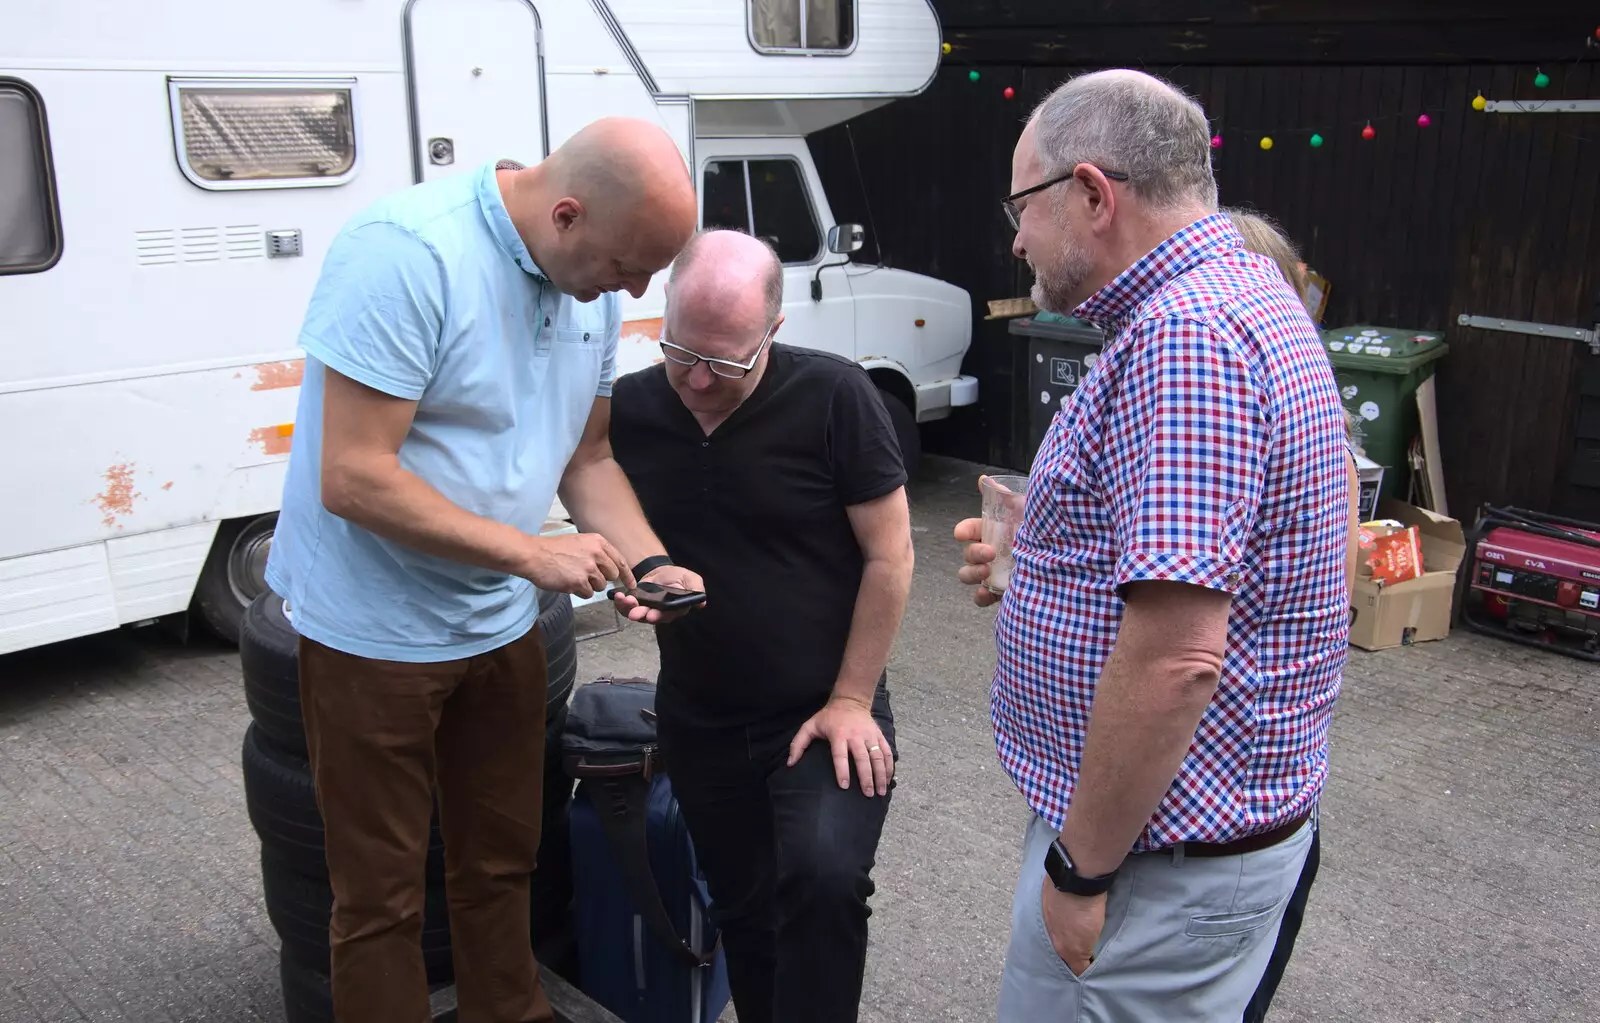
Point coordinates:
pixel 670 593
pixel 665 598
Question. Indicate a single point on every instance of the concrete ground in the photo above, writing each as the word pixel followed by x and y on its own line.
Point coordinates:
pixel 1459 877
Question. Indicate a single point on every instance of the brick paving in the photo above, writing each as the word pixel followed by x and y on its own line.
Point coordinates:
pixel 1458 879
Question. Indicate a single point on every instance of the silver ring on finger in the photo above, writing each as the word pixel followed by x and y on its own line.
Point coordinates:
pixel 874 748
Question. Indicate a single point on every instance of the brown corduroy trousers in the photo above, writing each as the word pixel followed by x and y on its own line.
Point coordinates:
pixel 385 736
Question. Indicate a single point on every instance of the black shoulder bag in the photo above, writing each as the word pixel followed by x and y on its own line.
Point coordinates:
pixel 610 745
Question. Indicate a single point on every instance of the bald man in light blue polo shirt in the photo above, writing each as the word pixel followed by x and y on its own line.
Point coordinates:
pixel 460 348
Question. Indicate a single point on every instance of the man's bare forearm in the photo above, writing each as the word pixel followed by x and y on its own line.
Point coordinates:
pixel 880 605
pixel 1145 713
pixel 400 506
pixel 600 499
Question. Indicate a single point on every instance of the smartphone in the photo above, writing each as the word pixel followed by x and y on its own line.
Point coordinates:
pixel 665 598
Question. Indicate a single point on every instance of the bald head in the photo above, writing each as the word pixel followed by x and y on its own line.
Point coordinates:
pixel 724 302
pixel 729 271
pixel 619 166
pixel 607 210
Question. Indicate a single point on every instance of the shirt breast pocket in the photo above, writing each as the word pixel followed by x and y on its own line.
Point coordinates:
pixel 578 336
pixel 1066 463
pixel 577 356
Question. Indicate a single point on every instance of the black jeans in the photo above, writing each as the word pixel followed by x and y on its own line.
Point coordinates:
pixel 788 856
pixel 1293 915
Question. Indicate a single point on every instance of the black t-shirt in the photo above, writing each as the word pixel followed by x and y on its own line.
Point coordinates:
pixel 758 509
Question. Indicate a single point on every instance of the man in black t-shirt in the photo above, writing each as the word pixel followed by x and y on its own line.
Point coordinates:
pixel 775 472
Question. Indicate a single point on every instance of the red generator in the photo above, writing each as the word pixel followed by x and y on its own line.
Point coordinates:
pixel 1533 578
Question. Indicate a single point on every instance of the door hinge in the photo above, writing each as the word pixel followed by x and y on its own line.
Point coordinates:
pixel 1588 337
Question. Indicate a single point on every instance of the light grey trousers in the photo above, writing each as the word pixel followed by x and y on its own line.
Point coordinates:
pixel 1186 938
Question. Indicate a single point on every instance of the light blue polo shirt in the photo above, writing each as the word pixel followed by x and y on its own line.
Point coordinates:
pixel 429 294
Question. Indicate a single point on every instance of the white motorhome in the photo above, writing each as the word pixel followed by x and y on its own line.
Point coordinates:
pixel 171 173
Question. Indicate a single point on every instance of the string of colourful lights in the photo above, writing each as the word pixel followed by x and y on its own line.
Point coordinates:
pixel 1316 140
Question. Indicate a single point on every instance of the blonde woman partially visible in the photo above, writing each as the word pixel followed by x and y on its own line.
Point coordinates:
pixel 1263 237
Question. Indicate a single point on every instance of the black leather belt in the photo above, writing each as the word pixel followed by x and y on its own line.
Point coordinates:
pixel 1239 846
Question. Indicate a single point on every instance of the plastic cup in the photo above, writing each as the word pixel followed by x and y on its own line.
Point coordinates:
pixel 1003 500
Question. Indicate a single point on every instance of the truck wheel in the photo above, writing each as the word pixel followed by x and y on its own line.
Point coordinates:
pixel 307 994
pixel 235 573
pixel 906 431
pixel 280 799
pixel 299 908
pixel 560 648
pixel 269 662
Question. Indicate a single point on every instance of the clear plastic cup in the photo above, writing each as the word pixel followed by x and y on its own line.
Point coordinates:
pixel 1003 501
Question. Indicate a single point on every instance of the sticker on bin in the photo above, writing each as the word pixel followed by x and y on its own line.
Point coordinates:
pixel 1369 410
pixel 1065 372
pixel 1357 347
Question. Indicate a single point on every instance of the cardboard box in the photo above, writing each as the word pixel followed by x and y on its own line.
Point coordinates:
pixel 1417 610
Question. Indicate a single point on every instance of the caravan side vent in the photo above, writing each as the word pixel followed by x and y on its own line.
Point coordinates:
pixel 283 243
pixel 201 245
pixel 166 247
pixel 157 247
pixel 243 241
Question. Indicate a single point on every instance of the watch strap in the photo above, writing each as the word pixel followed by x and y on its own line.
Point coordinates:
pixel 649 565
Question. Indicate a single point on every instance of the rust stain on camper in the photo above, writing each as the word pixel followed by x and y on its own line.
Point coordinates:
pixel 273 440
pixel 167 485
pixel 272 376
pixel 648 330
pixel 116 500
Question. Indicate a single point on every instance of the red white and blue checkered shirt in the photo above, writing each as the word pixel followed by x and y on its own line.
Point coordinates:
pixel 1205 445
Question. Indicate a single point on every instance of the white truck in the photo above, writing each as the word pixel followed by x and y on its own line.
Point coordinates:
pixel 172 171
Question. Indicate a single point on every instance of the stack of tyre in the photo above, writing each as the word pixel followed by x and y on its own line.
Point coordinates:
pixel 283 810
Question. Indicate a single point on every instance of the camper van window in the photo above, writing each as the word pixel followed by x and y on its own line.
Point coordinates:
pixel 30 217
pixel 766 198
pixel 265 134
pixel 810 26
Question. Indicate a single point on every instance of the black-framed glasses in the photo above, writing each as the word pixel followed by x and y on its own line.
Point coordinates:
pixel 1009 203
pixel 721 367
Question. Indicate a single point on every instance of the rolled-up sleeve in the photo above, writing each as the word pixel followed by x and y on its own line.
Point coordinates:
pixel 1185 444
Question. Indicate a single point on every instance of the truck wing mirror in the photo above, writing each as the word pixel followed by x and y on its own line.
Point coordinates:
pixel 844 239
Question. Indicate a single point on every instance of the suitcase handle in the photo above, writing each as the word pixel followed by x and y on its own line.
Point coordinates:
pixel 579 767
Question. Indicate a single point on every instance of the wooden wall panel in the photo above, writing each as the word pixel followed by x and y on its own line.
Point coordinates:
pixel 1492 214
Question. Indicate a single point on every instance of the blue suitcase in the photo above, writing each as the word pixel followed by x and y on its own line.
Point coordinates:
pixel 647 950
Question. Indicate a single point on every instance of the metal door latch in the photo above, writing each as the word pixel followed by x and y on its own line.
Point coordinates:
pixel 441 151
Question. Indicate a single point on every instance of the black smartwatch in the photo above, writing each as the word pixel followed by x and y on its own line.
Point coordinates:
pixel 649 565
pixel 1063 873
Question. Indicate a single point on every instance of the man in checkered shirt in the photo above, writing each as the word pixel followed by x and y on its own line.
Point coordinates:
pixel 1171 640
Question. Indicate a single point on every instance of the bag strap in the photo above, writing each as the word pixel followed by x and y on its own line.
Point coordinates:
pixel 622 809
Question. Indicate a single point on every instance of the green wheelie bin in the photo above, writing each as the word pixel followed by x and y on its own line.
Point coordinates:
pixel 1379 370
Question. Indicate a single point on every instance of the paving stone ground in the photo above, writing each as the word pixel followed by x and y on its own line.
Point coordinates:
pixel 1459 877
